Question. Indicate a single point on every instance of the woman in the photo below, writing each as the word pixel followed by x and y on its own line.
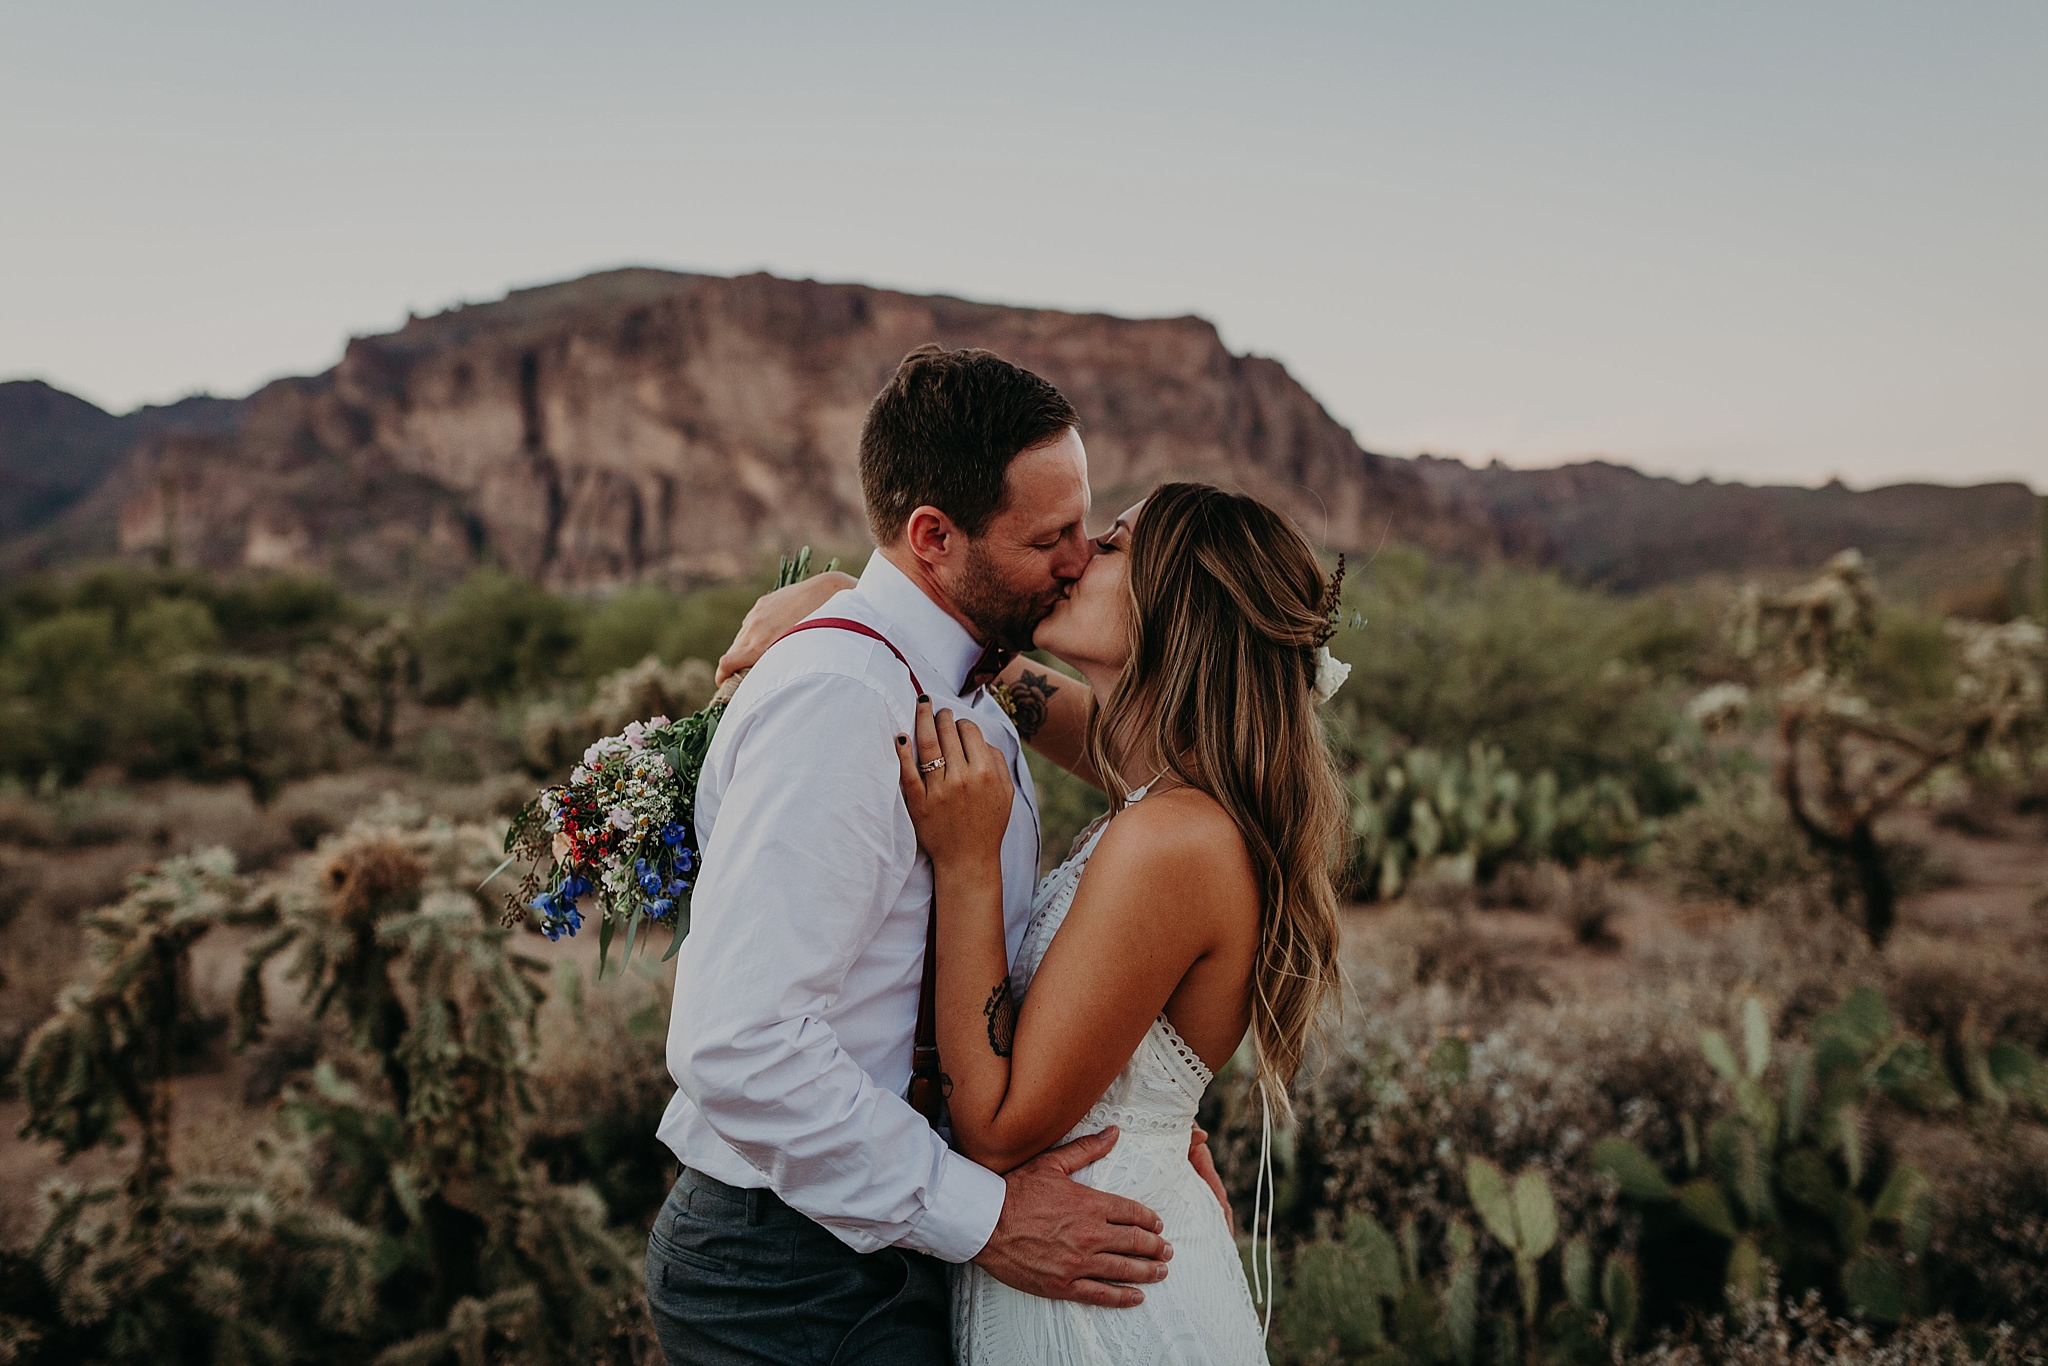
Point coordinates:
pixel 1201 907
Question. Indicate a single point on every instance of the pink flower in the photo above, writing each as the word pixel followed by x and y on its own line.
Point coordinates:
pixel 621 818
pixel 634 730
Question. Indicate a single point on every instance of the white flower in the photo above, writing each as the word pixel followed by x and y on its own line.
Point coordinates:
pixel 1330 674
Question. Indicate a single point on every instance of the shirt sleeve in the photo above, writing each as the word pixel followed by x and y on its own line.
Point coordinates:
pixel 810 848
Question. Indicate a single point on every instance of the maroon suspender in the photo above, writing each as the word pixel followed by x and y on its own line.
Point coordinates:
pixel 925 1089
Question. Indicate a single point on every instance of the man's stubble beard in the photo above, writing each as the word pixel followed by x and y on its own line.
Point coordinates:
pixel 1004 617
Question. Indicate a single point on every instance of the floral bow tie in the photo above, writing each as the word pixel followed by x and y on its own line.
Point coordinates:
pixel 992 662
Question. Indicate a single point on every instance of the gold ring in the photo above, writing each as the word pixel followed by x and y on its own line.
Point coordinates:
pixel 932 767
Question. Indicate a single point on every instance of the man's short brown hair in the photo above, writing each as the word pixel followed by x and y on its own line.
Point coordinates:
pixel 943 432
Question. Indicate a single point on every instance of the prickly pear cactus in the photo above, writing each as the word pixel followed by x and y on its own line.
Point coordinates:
pixel 1783 1176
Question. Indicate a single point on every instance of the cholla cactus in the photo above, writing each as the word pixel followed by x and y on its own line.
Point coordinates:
pixel 1827 625
pixel 391 931
pixel 365 674
pixel 109 1048
pixel 398 1216
pixel 1842 761
pixel 155 1268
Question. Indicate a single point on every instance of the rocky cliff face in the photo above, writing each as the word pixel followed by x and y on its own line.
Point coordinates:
pixel 645 425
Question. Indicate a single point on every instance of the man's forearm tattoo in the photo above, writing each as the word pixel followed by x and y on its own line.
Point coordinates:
pixel 1001 1011
pixel 1028 698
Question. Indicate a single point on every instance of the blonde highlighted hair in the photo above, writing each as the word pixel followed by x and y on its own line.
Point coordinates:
pixel 1228 607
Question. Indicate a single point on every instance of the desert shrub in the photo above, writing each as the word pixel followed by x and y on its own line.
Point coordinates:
pixel 1738 844
pixel 1769 1331
pixel 1573 682
pixel 1862 1118
pixel 499 636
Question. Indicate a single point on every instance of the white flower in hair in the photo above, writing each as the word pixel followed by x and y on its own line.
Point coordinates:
pixel 1330 674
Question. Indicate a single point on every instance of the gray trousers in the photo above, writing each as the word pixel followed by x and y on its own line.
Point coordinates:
pixel 736 1276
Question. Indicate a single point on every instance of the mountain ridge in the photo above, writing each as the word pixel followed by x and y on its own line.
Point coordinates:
pixel 647 425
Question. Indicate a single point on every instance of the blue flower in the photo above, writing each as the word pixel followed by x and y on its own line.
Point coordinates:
pixel 678 886
pixel 661 908
pixel 673 834
pixel 685 860
pixel 575 885
pixel 650 883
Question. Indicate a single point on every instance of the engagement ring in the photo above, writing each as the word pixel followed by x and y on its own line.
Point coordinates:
pixel 932 767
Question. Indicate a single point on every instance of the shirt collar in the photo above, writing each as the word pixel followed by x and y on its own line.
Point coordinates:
pixel 926 627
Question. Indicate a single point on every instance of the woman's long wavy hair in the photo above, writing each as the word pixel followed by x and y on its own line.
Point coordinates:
pixel 1228 606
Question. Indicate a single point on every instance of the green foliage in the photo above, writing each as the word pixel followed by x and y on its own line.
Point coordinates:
pixel 1365 1298
pixel 1463 818
pixel 499 636
pixel 1784 1176
pixel 1736 842
pixel 1557 678
pixel 1362 1297
pixel 160 673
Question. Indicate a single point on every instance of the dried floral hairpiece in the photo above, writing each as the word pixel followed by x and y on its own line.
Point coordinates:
pixel 1331 605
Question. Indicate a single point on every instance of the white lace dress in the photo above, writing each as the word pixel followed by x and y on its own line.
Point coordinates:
pixel 1202 1312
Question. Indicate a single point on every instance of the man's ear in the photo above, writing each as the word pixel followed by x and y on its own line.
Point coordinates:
pixel 933 537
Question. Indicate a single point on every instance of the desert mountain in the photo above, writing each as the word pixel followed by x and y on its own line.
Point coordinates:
pixel 1608 524
pixel 645 425
pixel 55 447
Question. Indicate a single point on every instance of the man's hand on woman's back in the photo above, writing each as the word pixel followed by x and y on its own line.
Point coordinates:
pixel 1061 1240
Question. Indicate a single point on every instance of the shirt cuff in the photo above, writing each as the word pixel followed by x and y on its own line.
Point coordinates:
pixel 956 1225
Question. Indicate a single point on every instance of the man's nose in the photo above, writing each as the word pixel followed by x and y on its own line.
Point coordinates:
pixel 1078 558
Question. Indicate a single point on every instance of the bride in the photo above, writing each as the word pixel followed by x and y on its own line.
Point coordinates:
pixel 1200 908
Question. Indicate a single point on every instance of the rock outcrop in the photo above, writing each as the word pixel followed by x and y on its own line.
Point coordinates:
pixel 645 425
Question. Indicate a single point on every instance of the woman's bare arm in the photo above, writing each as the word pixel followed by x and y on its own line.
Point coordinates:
pixel 1161 893
pixel 1051 711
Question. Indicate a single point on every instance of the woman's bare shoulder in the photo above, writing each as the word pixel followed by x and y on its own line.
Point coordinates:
pixel 1179 844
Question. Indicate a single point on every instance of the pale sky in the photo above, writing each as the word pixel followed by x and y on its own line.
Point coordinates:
pixel 1762 241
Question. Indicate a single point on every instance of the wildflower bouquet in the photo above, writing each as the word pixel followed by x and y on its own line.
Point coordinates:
pixel 621 830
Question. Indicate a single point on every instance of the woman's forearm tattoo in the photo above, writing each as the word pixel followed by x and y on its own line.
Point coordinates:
pixel 1001 1011
pixel 1028 698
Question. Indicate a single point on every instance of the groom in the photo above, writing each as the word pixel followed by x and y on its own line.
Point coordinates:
pixel 816 1209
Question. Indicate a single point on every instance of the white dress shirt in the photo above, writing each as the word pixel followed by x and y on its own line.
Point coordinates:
pixel 797 987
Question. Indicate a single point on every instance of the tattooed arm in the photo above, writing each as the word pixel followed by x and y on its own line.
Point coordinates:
pixel 1051 712
pixel 1168 911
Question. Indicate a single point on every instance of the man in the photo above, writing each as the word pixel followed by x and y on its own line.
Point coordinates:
pixel 816 1209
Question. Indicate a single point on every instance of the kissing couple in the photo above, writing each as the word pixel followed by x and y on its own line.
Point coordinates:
pixel 930 1107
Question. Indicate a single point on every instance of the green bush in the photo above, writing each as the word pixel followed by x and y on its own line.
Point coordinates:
pixel 1560 679
pixel 498 637
pixel 1738 843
